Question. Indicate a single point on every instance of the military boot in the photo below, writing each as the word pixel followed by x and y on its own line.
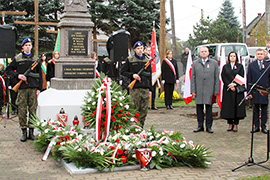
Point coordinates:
pixel 24 135
pixel 31 134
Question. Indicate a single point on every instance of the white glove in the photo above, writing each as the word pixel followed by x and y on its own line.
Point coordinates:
pixel 177 81
pixel 48 83
pixel 163 81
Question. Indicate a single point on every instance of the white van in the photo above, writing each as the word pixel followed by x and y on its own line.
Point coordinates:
pixel 215 51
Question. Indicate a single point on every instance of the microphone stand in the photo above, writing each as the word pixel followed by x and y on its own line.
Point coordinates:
pixel 250 161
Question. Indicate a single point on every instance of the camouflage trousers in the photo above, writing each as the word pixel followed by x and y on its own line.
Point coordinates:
pixel 140 99
pixel 26 101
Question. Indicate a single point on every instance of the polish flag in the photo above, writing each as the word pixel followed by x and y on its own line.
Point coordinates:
pixel 239 80
pixel 222 63
pixel 187 89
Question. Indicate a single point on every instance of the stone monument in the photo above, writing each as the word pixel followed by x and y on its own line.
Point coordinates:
pixel 74 69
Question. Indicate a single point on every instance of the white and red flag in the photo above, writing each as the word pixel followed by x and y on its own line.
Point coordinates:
pixel 239 80
pixel 222 63
pixel 155 64
pixel 187 89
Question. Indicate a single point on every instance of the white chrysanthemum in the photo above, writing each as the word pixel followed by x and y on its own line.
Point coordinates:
pixel 121 104
pixel 134 155
pixel 182 145
pixel 158 135
pixel 149 133
pixel 62 143
pixel 94 103
pixel 113 99
pixel 151 137
pixel 126 130
pixel 173 143
pixel 88 108
pixel 89 99
pixel 46 131
pixel 43 124
pixel 127 106
pixel 154 153
pixel 125 137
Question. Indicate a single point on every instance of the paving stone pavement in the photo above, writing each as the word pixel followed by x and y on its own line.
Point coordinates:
pixel 229 150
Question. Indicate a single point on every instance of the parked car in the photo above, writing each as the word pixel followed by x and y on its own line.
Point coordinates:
pixel 252 52
pixel 215 51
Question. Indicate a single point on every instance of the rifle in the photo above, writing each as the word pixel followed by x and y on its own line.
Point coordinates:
pixel 131 85
pixel 17 86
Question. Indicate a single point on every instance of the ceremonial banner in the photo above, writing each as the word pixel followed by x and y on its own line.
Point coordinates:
pixel 187 89
pixel 155 64
pixel 222 63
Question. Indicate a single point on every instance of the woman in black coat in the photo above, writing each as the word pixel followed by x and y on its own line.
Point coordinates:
pixel 169 76
pixel 230 100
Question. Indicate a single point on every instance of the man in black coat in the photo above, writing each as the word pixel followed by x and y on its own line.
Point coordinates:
pixel 260 102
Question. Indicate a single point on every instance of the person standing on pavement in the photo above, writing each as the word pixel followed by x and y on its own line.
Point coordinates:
pixel 140 92
pixel 29 89
pixel 184 58
pixel 231 98
pixel 204 85
pixel 260 102
pixel 169 76
pixel 44 71
pixel 51 67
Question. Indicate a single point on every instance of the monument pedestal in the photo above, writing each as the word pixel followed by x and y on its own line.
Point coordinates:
pixel 51 101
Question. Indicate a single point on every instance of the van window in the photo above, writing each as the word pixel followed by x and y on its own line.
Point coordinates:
pixel 237 48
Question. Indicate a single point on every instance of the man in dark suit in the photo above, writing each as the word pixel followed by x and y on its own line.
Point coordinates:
pixel 260 102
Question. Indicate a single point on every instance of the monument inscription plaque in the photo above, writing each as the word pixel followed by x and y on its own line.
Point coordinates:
pixel 78 71
pixel 77 42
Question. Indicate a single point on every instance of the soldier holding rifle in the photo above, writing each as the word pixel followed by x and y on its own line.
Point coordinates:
pixel 27 70
pixel 140 91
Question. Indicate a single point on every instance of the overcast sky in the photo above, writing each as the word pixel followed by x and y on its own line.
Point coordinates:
pixel 188 13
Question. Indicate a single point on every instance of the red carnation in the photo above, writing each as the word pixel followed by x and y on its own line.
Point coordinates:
pixel 120 127
pixel 111 116
pixel 103 108
pixel 119 115
pixel 117 140
pixel 126 120
pixel 37 137
pixel 114 127
pixel 119 152
pixel 94 112
pixel 128 114
pixel 103 123
pixel 102 115
pixel 112 111
pixel 169 154
pixel 58 143
pixel 66 137
pixel 137 114
pixel 91 115
pixel 116 156
pixel 116 104
pixel 123 159
pixel 124 114
pixel 114 107
pixel 61 138
pixel 113 120
pixel 121 110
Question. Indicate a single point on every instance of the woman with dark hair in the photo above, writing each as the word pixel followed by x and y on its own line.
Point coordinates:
pixel 44 71
pixel 170 76
pixel 231 93
pixel 51 66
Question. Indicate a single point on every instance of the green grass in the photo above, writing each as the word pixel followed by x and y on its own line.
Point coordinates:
pixel 176 103
pixel 266 177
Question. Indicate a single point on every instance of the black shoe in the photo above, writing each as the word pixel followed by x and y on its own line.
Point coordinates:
pixel 264 130
pixel 24 135
pixel 198 129
pixel 256 129
pixel 168 107
pixel 171 107
pixel 31 134
pixel 209 130
pixel 154 108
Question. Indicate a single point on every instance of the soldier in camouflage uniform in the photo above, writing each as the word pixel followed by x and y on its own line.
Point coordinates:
pixel 140 92
pixel 29 89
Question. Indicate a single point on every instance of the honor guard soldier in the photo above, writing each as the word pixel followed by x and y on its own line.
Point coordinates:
pixel 29 89
pixel 140 92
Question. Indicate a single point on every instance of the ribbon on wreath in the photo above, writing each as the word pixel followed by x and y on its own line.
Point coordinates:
pixel 48 150
pixel 107 83
pixel 107 86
